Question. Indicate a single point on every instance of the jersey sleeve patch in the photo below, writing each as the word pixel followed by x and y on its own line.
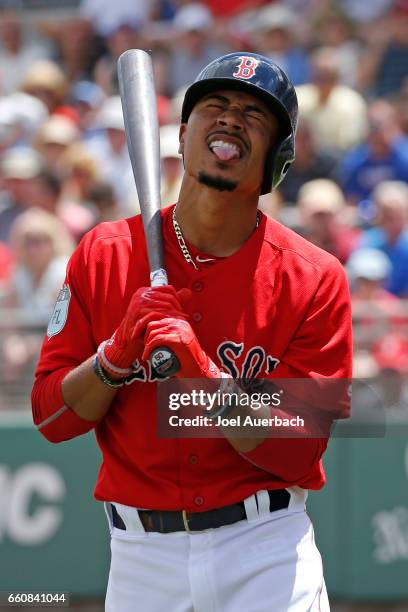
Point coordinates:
pixel 60 312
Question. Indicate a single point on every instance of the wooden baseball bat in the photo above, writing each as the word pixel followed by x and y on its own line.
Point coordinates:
pixel 137 92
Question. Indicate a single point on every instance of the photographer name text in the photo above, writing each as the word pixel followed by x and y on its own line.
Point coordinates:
pixel 238 421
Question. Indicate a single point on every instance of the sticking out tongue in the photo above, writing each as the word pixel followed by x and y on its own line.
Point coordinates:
pixel 224 152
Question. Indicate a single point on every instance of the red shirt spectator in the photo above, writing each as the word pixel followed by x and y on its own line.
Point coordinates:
pixel 324 218
pixel 6 264
pixel 223 8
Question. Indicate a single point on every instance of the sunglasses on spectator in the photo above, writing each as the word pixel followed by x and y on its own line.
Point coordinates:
pixel 35 239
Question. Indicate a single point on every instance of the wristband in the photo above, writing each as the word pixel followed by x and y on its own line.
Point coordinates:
pixel 107 365
pixel 101 374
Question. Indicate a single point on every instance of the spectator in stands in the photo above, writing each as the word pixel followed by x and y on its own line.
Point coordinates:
pixel 124 36
pixel 46 81
pixel 365 12
pixel 391 356
pixel 53 139
pixel 109 150
pixel 192 45
pixel 171 164
pixel 227 8
pixel 19 169
pixel 21 116
pixel 162 10
pixel 384 400
pixel 87 98
pixel 42 247
pixel 76 46
pixel 310 163
pixel 334 30
pixel 385 63
pixel 368 271
pixel 107 15
pixel 377 310
pixel 102 197
pixel 47 195
pixel 337 114
pixel 323 216
pixel 80 172
pixel 401 105
pixel 9 130
pixel 6 266
pixel 391 233
pixel 47 191
pixel 274 37
pixel 176 104
pixel 304 9
pixel 272 205
pixel 382 157
pixel 17 52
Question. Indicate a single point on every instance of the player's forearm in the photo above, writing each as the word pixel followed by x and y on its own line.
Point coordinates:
pixel 55 420
pixel 290 459
pixel 246 439
pixel 85 394
pixel 247 424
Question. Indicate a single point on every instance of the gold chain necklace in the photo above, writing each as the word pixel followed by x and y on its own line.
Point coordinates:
pixel 182 243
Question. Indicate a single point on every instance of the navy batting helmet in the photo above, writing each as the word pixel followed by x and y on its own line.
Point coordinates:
pixel 262 78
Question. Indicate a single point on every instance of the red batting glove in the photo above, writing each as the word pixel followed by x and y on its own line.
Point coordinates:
pixel 177 335
pixel 118 354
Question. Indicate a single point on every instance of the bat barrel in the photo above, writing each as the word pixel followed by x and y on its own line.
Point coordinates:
pixel 137 92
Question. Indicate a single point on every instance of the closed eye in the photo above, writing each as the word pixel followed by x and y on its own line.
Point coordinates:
pixel 255 112
pixel 215 105
pixel 215 101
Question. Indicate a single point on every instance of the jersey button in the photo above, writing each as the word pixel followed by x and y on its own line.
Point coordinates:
pixel 193 459
pixel 199 500
pixel 197 286
pixel 197 316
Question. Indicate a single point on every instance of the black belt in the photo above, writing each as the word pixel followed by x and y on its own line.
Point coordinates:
pixel 168 521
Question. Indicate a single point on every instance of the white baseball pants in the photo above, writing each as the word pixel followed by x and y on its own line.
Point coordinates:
pixel 266 563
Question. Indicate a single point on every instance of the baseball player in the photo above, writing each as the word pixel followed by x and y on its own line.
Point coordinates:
pixel 217 523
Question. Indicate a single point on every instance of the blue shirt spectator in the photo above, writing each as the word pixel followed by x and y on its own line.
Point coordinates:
pixel 382 157
pixel 392 70
pixel 376 238
pixel 391 234
pixel 362 170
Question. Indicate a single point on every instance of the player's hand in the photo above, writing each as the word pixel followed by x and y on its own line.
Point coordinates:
pixel 176 334
pixel 125 347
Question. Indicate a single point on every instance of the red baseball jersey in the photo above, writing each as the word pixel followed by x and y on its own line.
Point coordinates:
pixel 278 297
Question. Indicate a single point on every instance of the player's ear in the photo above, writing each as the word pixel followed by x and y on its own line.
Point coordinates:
pixel 181 138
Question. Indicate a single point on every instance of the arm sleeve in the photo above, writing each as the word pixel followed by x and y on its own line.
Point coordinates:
pixel 321 348
pixel 68 343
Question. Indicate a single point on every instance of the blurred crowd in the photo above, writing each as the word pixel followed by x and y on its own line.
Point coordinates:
pixel 64 165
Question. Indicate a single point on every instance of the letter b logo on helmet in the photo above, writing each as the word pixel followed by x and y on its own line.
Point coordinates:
pixel 246 67
pixel 258 76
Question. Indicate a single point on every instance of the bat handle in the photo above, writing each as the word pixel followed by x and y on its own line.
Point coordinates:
pixel 163 361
